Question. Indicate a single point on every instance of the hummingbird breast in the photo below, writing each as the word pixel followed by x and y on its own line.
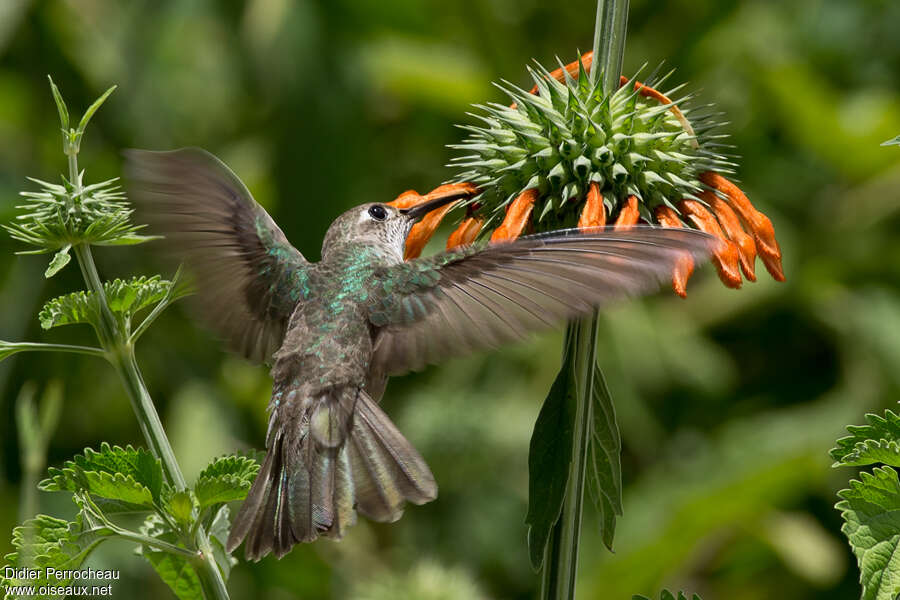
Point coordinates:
pixel 328 342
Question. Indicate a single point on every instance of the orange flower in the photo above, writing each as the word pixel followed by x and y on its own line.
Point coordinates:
pixel 720 209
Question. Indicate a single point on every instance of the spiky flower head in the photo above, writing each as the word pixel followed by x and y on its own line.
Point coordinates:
pixel 567 154
pixel 569 135
pixel 59 216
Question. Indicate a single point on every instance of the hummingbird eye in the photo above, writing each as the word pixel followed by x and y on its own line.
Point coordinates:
pixel 378 212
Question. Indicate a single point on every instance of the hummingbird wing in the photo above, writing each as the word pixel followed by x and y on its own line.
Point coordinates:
pixel 481 297
pixel 249 277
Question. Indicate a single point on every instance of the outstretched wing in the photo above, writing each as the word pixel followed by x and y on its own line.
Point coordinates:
pixel 481 297
pixel 249 278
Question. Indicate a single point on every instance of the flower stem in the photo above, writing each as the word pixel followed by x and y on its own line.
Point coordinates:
pixel 561 562
pixel 120 351
pixel 561 558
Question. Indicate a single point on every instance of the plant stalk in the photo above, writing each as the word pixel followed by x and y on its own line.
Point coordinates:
pixel 121 354
pixel 561 558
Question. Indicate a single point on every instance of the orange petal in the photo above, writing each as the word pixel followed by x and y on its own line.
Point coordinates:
pixel 758 223
pixel 648 92
pixel 628 214
pixel 594 212
pixel 726 255
pixel 407 199
pixel 684 266
pixel 422 231
pixel 517 215
pixel 466 233
pixel 451 189
pixel 732 226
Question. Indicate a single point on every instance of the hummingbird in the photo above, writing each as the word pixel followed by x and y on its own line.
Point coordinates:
pixel 333 331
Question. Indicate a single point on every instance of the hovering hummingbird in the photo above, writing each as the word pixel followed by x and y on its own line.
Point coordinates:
pixel 333 331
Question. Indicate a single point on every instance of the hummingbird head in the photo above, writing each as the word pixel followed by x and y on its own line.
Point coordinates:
pixel 379 226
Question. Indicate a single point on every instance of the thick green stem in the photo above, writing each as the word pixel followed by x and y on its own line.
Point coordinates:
pixel 561 558
pixel 609 42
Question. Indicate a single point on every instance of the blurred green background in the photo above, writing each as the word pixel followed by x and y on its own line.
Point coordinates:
pixel 728 401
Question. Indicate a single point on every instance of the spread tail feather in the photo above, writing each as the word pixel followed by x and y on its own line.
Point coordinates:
pixel 306 488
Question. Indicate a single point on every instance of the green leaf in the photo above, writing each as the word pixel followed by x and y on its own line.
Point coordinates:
pixel 93 108
pixel 549 456
pixel 877 442
pixel 124 297
pixel 50 542
pixel 60 104
pixel 173 569
pixel 226 479
pixel 893 142
pixel 60 260
pixel 129 475
pixel 180 506
pixel 604 465
pixel 871 512
pixel 667 595
pixel 218 537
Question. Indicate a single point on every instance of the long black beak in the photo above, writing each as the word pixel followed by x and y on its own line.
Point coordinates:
pixel 420 210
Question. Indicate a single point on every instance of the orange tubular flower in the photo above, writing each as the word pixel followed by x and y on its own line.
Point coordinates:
pixel 726 256
pixel 628 215
pixel 517 214
pixel 594 212
pixel 466 233
pixel 667 217
pixel 422 231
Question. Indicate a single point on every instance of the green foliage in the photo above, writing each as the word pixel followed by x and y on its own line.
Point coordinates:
pixel 124 298
pixel 550 455
pixel 571 134
pixel 548 462
pixel 871 512
pixel 604 475
pixel 114 480
pixel 46 541
pixel 877 442
pixel 667 595
pixel 111 473
pixel 57 217
pixel 176 570
pixel 871 506
pixel 225 479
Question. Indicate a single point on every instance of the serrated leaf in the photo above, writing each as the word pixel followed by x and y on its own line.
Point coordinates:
pixel 124 297
pixel 667 595
pixel 50 542
pixel 549 455
pixel 129 475
pixel 174 569
pixel 871 512
pixel 225 479
pixel 604 476
pixel 879 441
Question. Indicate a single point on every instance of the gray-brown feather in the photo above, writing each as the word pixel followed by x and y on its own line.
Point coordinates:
pixel 469 300
pixel 248 276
